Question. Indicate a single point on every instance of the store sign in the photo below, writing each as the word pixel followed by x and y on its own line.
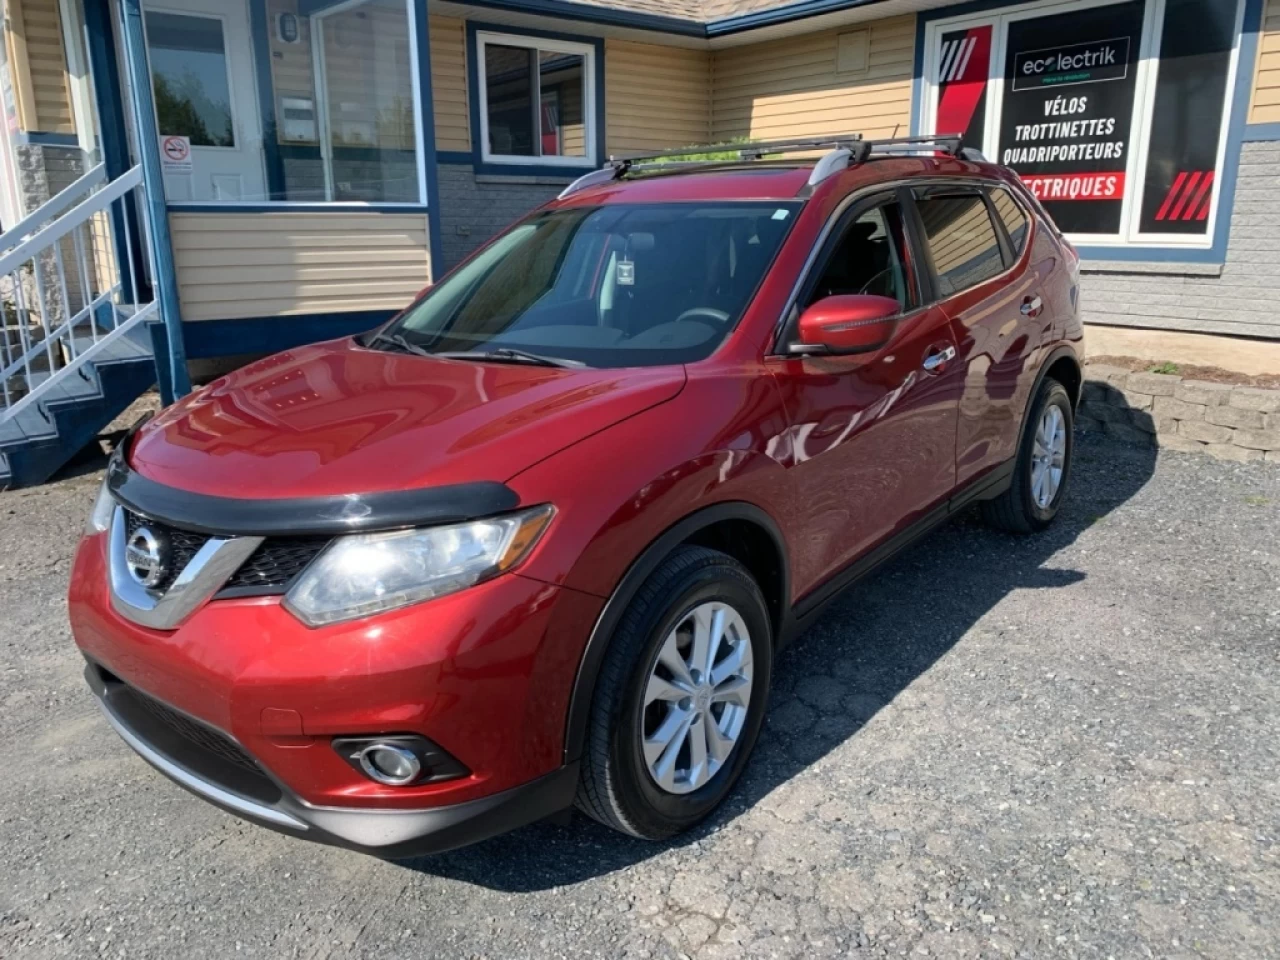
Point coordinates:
pixel 1070 81
pixel 1077 63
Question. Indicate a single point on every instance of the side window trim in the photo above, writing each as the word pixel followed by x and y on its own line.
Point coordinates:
pixel 953 189
pixel 1007 255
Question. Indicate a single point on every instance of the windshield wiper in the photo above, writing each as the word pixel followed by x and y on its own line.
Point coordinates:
pixel 510 355
pixel 398 340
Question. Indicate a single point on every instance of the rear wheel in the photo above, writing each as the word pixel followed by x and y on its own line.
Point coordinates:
pixel 680 697
pixel 1043 465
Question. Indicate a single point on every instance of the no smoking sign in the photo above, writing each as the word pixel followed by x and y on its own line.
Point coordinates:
pixel 175 154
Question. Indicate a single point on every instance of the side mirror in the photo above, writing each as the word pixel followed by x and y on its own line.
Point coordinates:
pixel 849 324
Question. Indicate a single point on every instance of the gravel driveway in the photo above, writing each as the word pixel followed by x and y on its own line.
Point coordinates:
pixel 1065 746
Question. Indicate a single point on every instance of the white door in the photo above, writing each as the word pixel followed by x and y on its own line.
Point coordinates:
pixel 202 73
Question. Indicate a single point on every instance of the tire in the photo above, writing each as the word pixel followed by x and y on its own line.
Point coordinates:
pixel 1018 509
pixel 617 785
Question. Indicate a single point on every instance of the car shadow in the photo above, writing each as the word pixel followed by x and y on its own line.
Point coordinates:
pixel 904 626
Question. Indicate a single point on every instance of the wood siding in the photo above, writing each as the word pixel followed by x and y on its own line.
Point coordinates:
pixel 791 87
pixel 38 66
pixel 655 96
pixel 267 264
pixel 449 83
pixel 1265 105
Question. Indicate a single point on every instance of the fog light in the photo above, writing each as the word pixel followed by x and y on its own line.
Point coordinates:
pixel 391 764
pixel 398 759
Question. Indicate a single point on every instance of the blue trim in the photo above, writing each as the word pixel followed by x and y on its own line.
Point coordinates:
pixel 185 206
pixel 39 138
pixel 1237 133
pixel 105 70
pixel 144 119
pixel 584 13
pixel 792 11
pixel 225 338
pixel 1261 132
pixel 455 156
pixel 474 99
pixel 427 113
pixel 260 47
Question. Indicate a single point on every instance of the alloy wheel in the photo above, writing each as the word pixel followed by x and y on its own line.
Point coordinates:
pixel 697 697
pixel 1048 456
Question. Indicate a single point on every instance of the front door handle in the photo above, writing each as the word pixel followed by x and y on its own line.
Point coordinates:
pixel 937 362
pixel 1032 307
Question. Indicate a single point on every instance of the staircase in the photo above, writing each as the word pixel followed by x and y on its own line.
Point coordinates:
pixel 75 347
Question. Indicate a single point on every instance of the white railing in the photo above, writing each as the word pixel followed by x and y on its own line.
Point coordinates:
pixel 63 294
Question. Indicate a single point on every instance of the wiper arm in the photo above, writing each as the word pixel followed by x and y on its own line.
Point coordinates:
pixel 510 355
pixel 398 340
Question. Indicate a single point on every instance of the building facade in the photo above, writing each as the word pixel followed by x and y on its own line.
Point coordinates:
pixel 321 160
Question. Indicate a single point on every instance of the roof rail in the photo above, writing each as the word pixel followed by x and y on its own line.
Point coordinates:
pixel 844 150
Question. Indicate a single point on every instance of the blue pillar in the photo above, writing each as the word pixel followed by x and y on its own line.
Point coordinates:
pixel 422 37
pixel 144 123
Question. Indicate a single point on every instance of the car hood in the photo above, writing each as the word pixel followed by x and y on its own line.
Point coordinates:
pixel 337 418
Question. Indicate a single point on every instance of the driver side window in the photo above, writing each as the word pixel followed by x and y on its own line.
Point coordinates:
pixel 870 258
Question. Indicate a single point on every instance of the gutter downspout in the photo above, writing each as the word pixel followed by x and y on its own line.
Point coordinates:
pixel 173 374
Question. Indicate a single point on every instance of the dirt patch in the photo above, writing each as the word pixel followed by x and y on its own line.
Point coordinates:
pixel 1190 371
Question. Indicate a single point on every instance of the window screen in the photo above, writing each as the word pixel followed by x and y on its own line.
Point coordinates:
pixel 1015 221
pixel 962 241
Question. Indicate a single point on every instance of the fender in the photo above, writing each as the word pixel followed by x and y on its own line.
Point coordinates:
pixel 1057 353
pixel 644 565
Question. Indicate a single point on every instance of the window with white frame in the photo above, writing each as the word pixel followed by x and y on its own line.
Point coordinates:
pixel 536 100
pixel 290 101
pixel 1114 112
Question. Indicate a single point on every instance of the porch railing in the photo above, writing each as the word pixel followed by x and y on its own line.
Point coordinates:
pixel 63 295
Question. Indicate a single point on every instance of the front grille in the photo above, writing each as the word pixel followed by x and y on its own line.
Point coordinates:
pixel 273 566
pixel 269 570
pixel 197 733
pixel 183 543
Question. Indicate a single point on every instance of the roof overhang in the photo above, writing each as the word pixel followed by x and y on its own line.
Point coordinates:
pixel 803 16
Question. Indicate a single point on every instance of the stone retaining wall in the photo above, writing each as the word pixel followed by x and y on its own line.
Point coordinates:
pixel 1194 416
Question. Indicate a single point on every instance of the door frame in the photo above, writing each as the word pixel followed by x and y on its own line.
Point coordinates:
pixel 240 131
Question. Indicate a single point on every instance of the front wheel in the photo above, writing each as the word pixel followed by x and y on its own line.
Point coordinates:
pixel 680 697
pixel 1043 465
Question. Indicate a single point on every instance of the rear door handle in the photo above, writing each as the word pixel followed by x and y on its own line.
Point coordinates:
pixel 937 362
pixel 1032 307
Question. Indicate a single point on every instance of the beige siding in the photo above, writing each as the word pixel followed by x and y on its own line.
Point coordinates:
pixel 449 83
pixel 39 67
pixel 791 88
pixel 655 96
pixel 264 264
pixel 1265 106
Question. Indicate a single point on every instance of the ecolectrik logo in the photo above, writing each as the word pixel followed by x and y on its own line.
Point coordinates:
pixel 1077 63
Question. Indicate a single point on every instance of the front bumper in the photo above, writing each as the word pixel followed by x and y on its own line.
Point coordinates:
pixel 390 834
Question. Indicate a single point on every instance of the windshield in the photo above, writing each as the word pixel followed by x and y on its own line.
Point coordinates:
pixel 613 286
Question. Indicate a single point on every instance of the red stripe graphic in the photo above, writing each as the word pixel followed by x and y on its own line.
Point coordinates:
pixel 1173 193
pixel 1186 195
pixel 1200 203
pixel 960 97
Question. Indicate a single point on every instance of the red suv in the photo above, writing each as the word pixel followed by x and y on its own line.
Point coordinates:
pixel 537 540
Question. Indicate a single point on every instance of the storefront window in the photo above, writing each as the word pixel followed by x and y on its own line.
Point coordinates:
pixel 536 100
pixel 299 101
pixel 1115 126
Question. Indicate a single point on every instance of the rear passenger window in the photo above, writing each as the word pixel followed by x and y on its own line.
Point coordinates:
pixel 1015 221
pixel 962 240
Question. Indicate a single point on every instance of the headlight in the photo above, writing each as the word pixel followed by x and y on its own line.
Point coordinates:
pixel 103 509
pixel 368 573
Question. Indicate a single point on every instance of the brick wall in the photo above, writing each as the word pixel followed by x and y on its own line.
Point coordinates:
pixel 1239 298
pixel 473 208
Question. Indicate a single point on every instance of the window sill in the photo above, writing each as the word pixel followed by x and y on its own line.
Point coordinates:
pixel 1171 268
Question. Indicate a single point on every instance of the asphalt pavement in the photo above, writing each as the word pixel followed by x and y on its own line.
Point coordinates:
pixel 1059 746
